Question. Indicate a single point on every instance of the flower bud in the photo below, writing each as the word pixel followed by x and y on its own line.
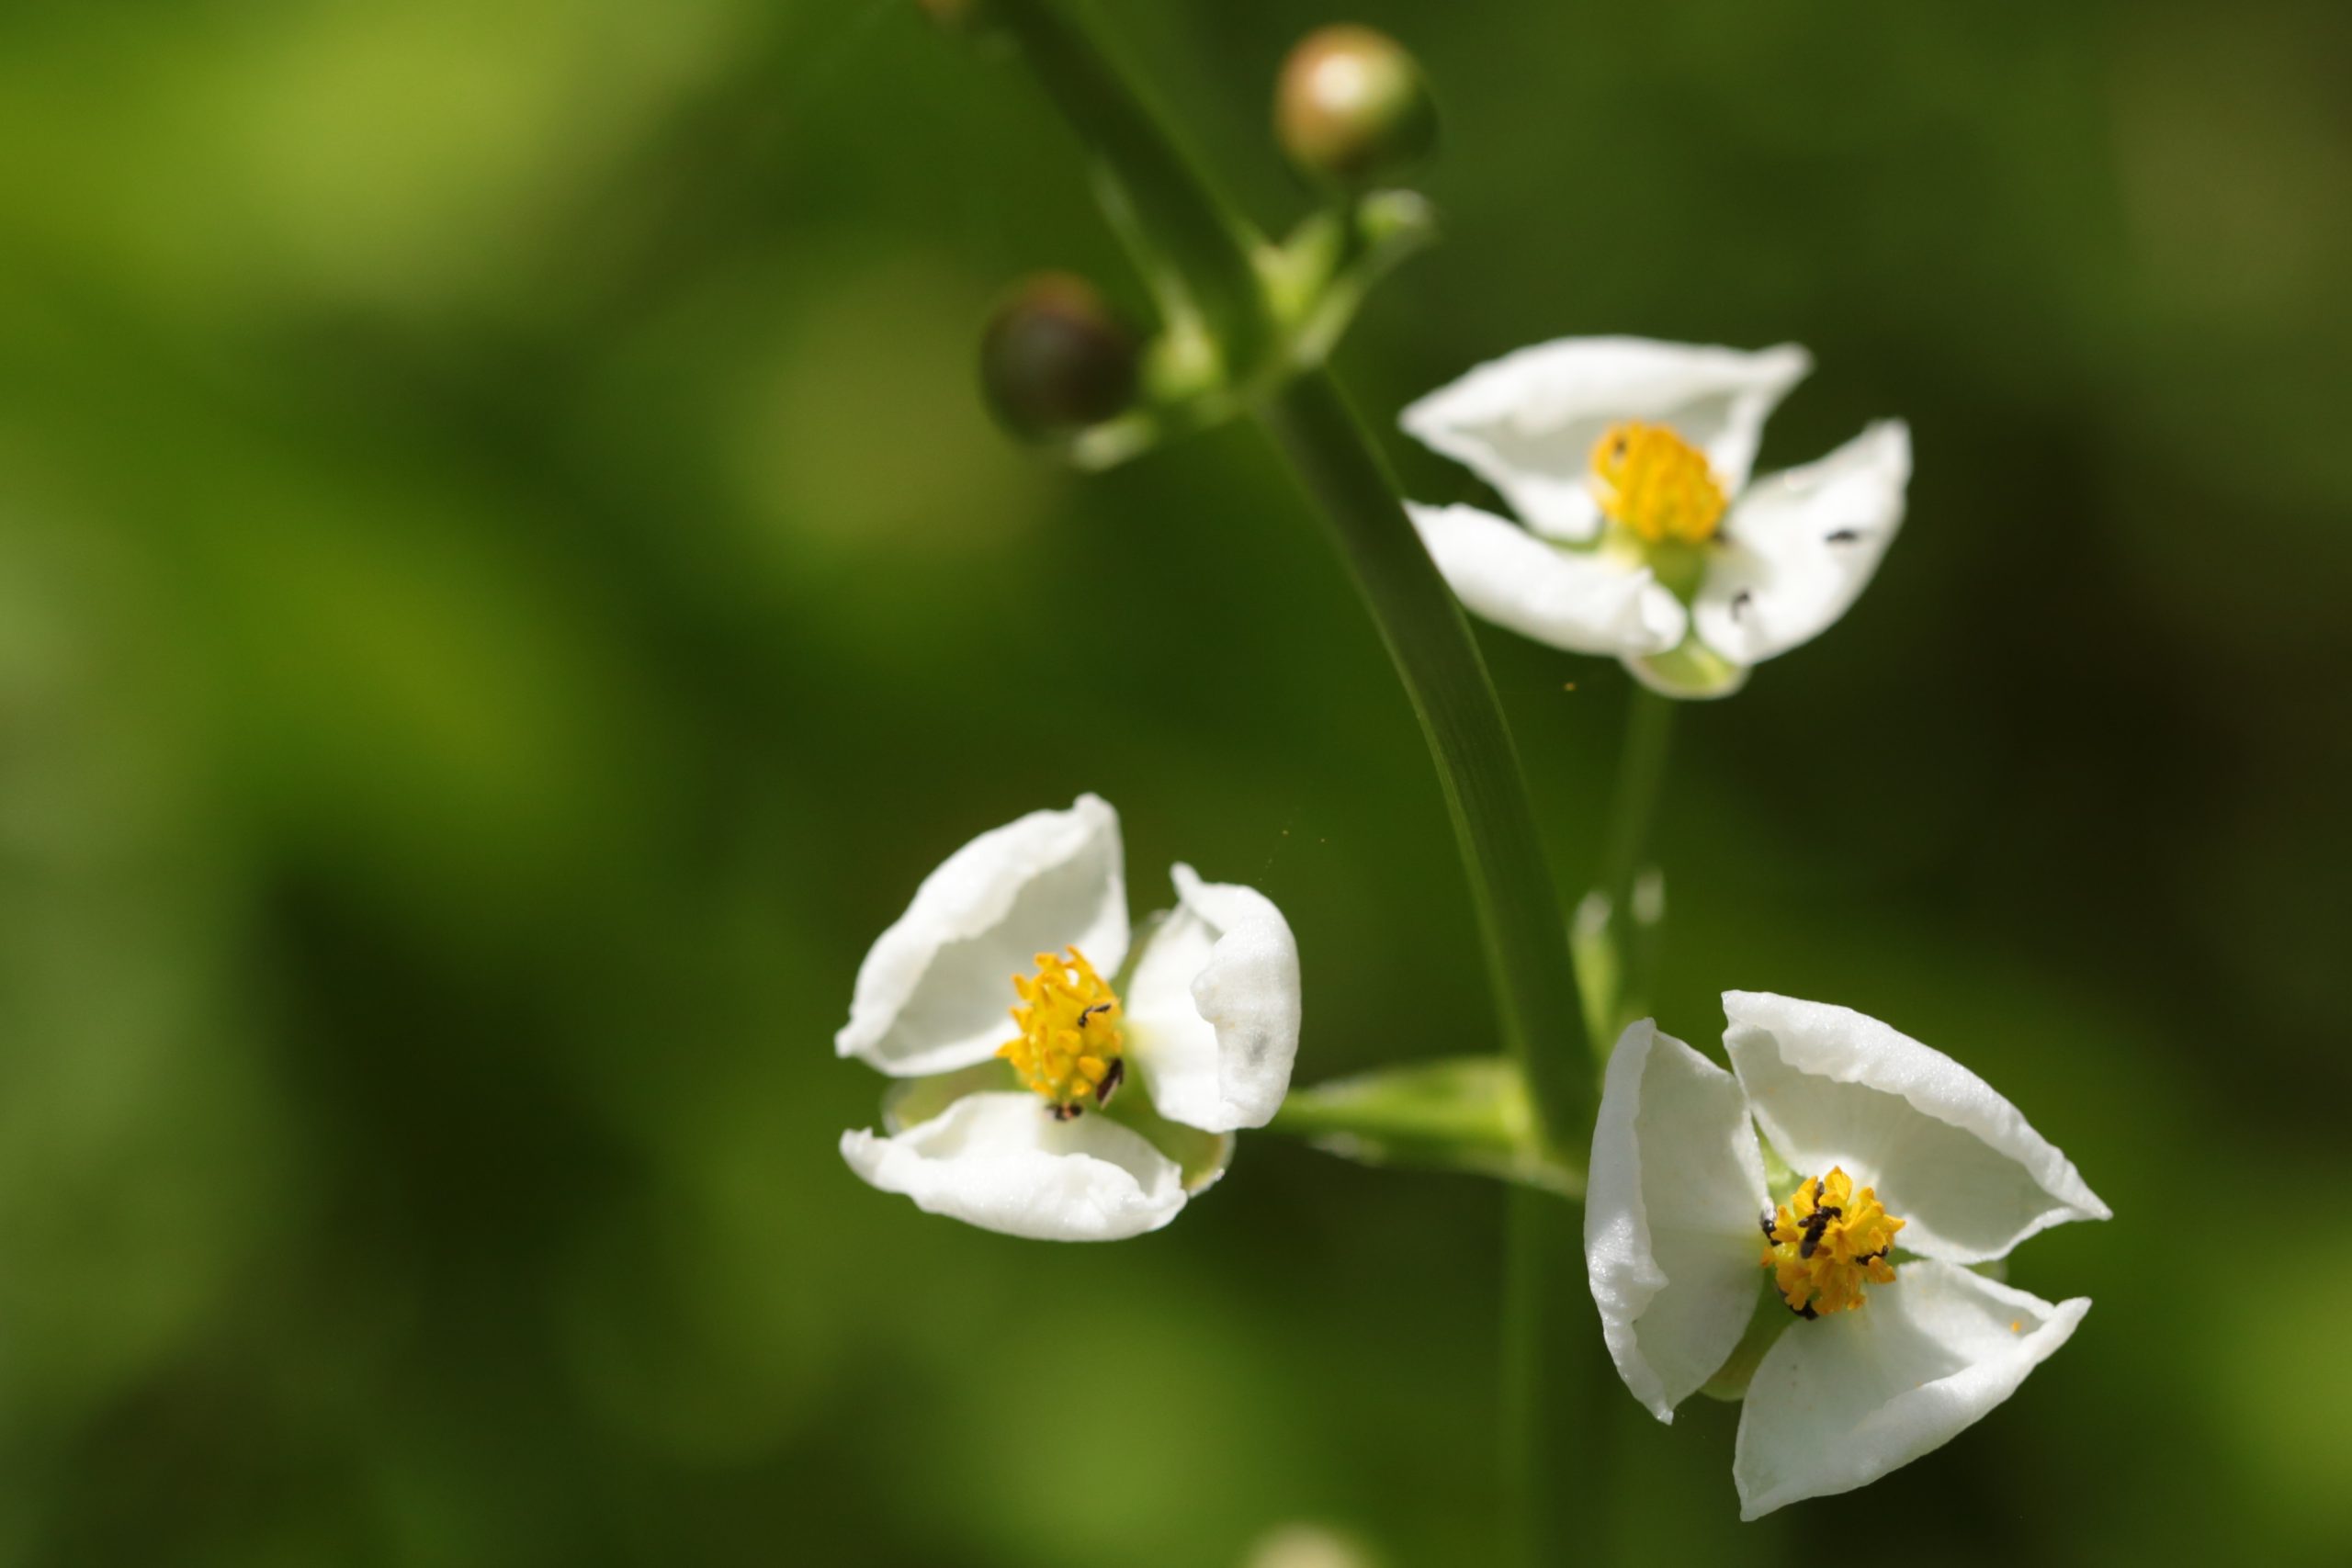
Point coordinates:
pixel 1054 359
pixel 1351 108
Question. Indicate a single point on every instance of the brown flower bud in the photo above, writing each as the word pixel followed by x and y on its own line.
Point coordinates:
pixel 1054 359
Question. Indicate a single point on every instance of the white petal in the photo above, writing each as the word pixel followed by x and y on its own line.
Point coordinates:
pixel 1212 1013
pixel 1001 1162
pixel 1526 423
pixel 934 990
pixel 1799 547
pixel 1832 1087
pixel 1671 1206
pixel 1584 601
pixel 1839 1403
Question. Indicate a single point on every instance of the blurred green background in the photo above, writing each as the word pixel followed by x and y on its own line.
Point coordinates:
pixel 505 586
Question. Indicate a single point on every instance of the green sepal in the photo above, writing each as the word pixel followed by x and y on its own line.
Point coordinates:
pixel 1693 671
pixel 1680 565
pixel 910 1102
pixel 1465 1113
pixel 1202 1156
pixel 1769 1320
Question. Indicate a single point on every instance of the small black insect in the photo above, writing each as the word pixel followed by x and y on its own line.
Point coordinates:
pixel 1069 1111
pixel 1819 1221
pixel 1771 1224
pixel 1110 1081
pixel 1089 1012
pixel 1846 537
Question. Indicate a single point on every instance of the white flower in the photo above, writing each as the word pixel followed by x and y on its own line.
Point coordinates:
pixel 1628 460
pixel 1884 1357
pixel 1100 1107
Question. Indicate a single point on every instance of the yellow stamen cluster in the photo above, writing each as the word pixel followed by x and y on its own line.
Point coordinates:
pixel 1068 1048
pixel 1650 479
pixel 1827 1240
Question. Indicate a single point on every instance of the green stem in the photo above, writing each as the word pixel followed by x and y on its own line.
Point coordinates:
pixel 1633 925
pixel 1494 823
pixel 1545 1374
pixel 1198 249
pixel 1557 1390
pixel 1641 768
pixel 1467 1113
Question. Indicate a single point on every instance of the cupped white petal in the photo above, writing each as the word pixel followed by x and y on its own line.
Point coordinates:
pixel 1831 1086
pixel 1798 547
pixel 1526 423
pixel 1839 1403
pixel 1584 601
pixel 1670 1216
pixel 1212 1014
pixel 1002 1162
pixel 932 993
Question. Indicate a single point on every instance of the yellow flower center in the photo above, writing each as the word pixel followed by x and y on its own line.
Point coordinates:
pixel 1650 481
pixel 1068 1048
pixel 1827 1240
